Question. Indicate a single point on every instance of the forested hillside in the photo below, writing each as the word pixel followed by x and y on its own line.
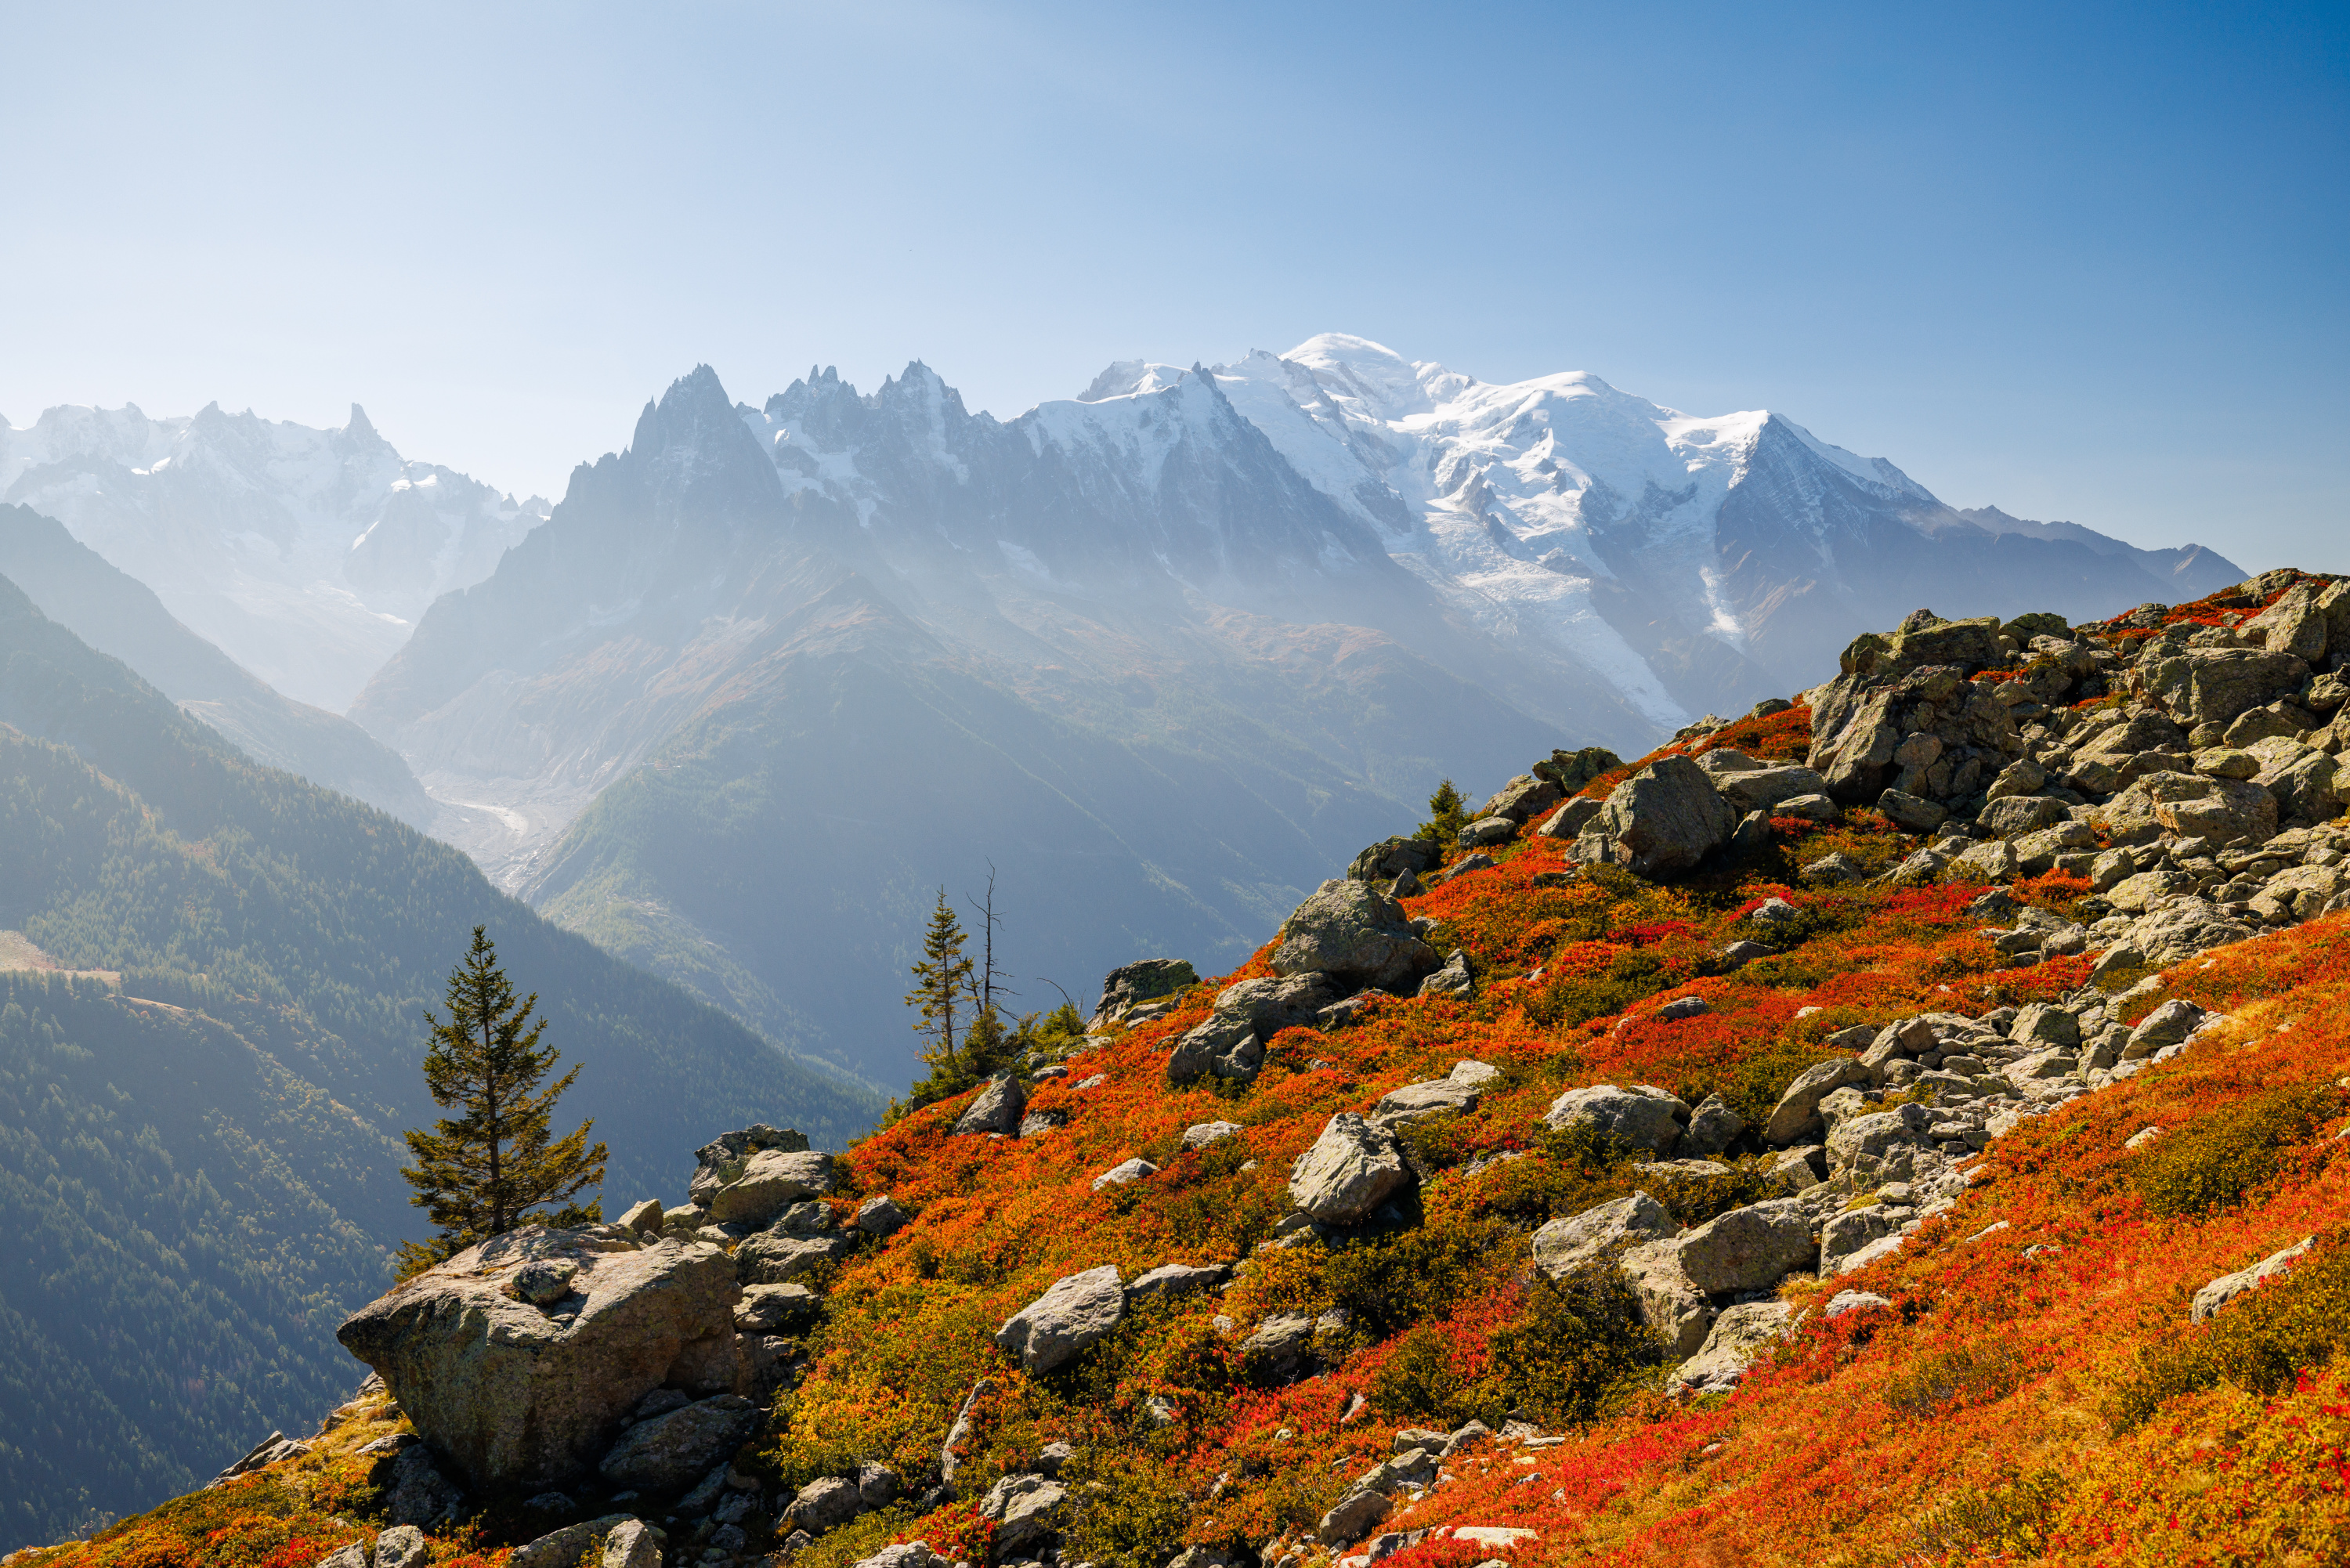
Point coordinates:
pixel 201 1155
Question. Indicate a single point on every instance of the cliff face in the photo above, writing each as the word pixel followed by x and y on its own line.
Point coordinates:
pixel 1760 1150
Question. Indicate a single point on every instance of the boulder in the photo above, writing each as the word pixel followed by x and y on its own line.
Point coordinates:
pixel 1453 980
pixel 777 1309
pixel 416 1492
pixel 2225 811
pixel 1749 1249
pixel 1146 980
pixel 1272 1004
pixel 1202 1135
pixel 1570 819
pixel 1911 813
pixel 1642 1115
pixel 568 1547
pixel 1124 1173
pixel 1486 832
pixel 1066 1321
pixel 1353 1167
pixel 1844 1302
pixel 1797 1113
pixel 825 1502
pixel 2227 1287
pixel 1413 1101
pixel 1567 1243
pixel 1171 1280
pixel 1522 798
pixel 2295 624
pixel 1351 1517
pixel 996 1109
pixel 1026 1510
pixel 2213 685
pixel 404 1546
pixel 772 1180
pixel 1665 819
pixel 2300 893
pixel 2168 1025
pixel 669 1453
pixel 720 1159
pixel 1280 1351
pixel 518 1396
pixel 1739 1336
pixel 1881 1145
pixel 1391 858
pixel 1223 1045
pixel 1713 1126
pixel 1669 1302
pixel 774 1258
pixel 1354 935
pixel 1763 788
pixel 2042 1024
pixel 1572 770
pixel 2306 783
pixel 2013 816
pixel 882 1216
pixel 1854 752
pixel 2180 927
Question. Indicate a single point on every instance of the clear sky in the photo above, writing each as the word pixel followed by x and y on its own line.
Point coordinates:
pixel 2078 262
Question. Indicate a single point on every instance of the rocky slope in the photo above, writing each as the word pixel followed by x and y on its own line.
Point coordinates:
pixel 1712 1159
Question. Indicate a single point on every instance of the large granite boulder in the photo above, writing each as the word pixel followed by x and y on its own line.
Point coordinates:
pixel 1665 819
pixel 522 1393
pixel 1522 798
pixel 1352 1168
pixel 1749 1249
pixel 772 1180
pixel 1642 1115
pixel 669 1452
pixel 1765 788
pixel 1129 986
pixel 721 1160
pixel 996 1109
pixel 1737 1337
pixel 2214 685
pixel 1357 936
pixel 1391 858
pixel 1567 1243
pixel 1066 1319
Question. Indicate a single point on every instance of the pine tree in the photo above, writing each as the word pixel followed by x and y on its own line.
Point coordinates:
pixel 940 982
pixel 494 1168
pixel 1447 815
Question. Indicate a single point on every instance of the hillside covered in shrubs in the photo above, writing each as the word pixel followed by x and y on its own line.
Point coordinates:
pixel 1904 1125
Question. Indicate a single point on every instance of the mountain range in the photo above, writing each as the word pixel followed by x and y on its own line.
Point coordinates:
pixel 1161 654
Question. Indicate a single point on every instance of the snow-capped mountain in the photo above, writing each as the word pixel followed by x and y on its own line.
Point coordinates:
pixel 872 640
pixel 306 554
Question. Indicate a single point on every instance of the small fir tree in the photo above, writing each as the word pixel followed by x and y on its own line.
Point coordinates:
pixel 942 980
pixel 1447 815
pixel 498 1165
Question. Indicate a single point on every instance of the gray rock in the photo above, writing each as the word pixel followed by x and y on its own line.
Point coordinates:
pixel 563 1548
pixel 1412 1102
pixel 1453 979
pixel 1663 819
pixel 1910 814
pixel 1565 1244
pixel 1066 1321
pixel 1849 1230
pixel 417 1493
pixel 905 1554
pixel 2227 1287
pixel 771 1258
pixel 544 1281
pixel 631 1544
pixel 1351 1518
pixel 2168 1025
pixel 401 1546
pixel 997 1109
pixel 1391 858
pixel 1353 1167
pixel 1146 979
pixel 1837 868
pixel 2041 1024
pixel 1739 1336
pixel 1764 788
pixel 1642 1115
pixel 2013 816
pixel 2213 685
pixel 1272 1004
pixel 721 1161
pixel 882 1216
pixel 1125 1172
pixel 670 1453
pixel 1027 1513
pixel 1670 1302
pixel 1713 1126
pixel 1280 1349
pixel 1749 1249
pixel 1354 935
pixel 1205 1135
pixel 1171 1280
pixel 1039 1124
pixel 519 1399
pixel 777 1309
pixel 1882 1145
pixel 771 1180
pixel 1844 1302
pixel 824 1502
pixel 1797 1113
pixel 805 1219
pixel 1570 819
pixel 644 1219
pixel 1225 1044
pixel 1523 798
pixel 1486 832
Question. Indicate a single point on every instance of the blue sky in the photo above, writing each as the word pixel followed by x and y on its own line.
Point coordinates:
pixel 2082 263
